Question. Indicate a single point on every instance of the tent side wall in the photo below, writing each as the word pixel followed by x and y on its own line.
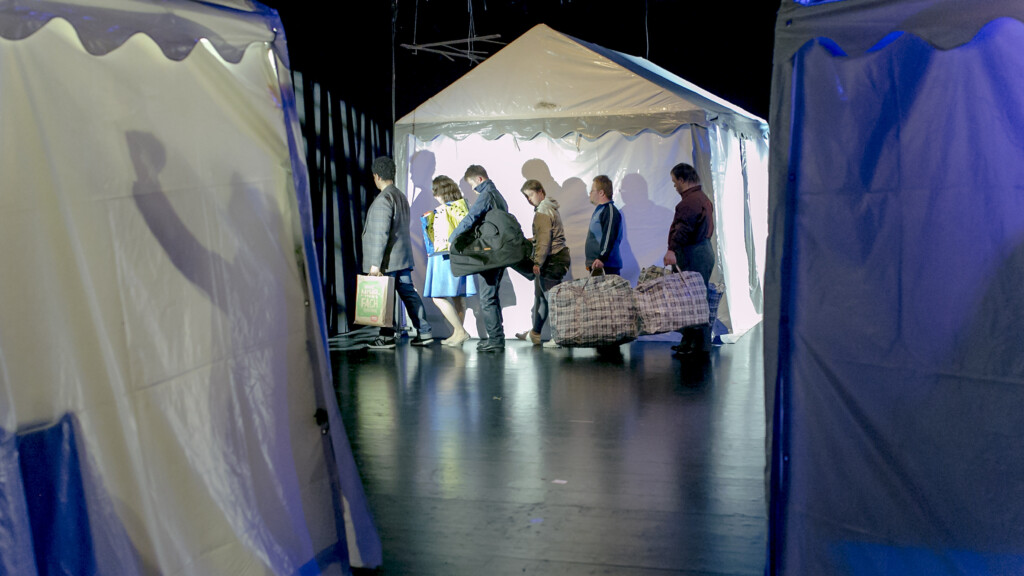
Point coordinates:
pixel 156 225
pixel 894 309
pixel 638 166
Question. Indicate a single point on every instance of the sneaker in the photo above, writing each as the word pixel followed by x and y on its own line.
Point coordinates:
pixel 551 344
pixel 422 340
pixel 382 343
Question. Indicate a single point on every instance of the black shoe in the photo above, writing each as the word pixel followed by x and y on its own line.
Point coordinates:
pixel 492 345
pixel 382 343
pixel 481 343
pixel 684 349
pixel 420 340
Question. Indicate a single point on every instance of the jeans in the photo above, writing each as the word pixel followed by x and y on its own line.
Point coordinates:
pixel 697 258
pixel 551 275
pixel 407 293
pixel 490 306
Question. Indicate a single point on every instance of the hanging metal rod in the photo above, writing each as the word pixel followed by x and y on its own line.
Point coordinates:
pixel 490 38
pixel 447 49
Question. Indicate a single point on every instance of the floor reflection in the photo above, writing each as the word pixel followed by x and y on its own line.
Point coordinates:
pixel 558 460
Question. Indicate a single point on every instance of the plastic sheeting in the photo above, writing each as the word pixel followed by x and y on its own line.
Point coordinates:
pixel 55 499
pixel 895 309
pixel 154 232
pixel 561 110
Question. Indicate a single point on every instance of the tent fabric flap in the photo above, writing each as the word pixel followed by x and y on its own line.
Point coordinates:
pixel 153 238
pixel 894 321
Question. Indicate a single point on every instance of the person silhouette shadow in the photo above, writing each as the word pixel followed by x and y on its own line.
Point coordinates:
pixel 244 461
pixel 644 220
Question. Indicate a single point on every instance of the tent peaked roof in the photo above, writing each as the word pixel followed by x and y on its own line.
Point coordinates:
pixel 548 82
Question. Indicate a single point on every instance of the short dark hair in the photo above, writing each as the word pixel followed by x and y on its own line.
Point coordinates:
pixel 604 184
pixel 446 189
pixel 532 184
pixel 686 173
pixel 384 167
pixel 476 170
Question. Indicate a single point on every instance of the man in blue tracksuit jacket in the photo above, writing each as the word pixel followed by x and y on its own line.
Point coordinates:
pixel 605 230
pixel 490 307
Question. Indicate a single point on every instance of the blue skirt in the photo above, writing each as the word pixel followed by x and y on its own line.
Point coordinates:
pixel 441 283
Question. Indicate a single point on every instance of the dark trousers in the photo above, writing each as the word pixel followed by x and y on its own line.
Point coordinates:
pixel 490 306
pixel 551 274
pixel 697 258
pixel 407 293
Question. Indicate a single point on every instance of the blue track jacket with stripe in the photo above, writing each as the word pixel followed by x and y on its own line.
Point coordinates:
pixel 604 235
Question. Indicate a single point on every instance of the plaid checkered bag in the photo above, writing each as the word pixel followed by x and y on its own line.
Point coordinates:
pixel 593 311
pixel 672 302
pixel 715 293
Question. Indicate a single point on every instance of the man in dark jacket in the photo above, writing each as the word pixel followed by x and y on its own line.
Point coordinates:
pixel 387 250
pixel 689 245
pixel 490 307
pixel 605 231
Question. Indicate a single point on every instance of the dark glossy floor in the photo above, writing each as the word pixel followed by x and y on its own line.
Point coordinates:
pixel 537 461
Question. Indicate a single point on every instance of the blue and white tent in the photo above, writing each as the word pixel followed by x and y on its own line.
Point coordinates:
pixel 162 349
pixel 894 309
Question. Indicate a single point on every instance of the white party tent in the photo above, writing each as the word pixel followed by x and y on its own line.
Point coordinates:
pixel 561 110
pixel 162 350
pixel 894 310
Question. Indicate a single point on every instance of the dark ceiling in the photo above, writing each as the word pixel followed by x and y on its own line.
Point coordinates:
pixel 725 48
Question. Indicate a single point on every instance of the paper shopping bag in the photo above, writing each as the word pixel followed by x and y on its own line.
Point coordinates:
pixel 375 300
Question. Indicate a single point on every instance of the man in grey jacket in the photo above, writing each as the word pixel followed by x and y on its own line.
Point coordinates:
pixel 387 250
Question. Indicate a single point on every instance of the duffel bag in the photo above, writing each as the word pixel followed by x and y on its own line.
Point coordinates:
pixel 593 311
pixel 496 241
pixel 672 302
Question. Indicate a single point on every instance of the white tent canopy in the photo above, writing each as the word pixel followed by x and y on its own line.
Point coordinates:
pixel 560 110
pixel 894 312
pixel 158 304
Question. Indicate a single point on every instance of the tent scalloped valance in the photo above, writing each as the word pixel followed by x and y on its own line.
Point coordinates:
pixel 928 20
pixel 175 25
pixel 590 128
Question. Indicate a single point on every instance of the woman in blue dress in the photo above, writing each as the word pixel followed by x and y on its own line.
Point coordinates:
pixel 448 291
